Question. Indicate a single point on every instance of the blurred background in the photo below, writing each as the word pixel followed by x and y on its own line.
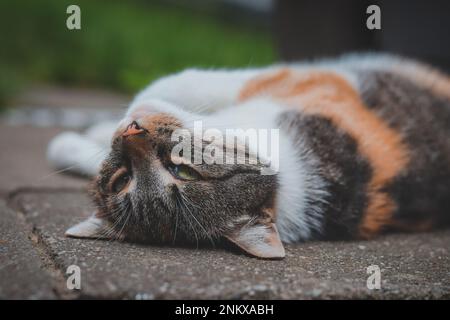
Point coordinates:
pixel 123 45
pixel 55 78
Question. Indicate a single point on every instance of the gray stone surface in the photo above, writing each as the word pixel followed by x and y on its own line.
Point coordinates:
pixel 23 273
pixel 46 96
pixel 412 266
pixel 48 106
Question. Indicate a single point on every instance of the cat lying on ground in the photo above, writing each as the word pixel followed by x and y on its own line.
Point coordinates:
pixel 362 146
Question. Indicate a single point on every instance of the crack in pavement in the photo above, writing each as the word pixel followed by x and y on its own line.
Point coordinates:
pixel 48 262
pixel 413 266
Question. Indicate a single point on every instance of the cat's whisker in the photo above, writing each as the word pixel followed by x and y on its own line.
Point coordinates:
pixel 188 202
pixel 176 227
pixel 110 230
pixel 203 107
pixel 187 219
pixel 146 213
pixel 103 152
pixel 128 214
pixel 112 234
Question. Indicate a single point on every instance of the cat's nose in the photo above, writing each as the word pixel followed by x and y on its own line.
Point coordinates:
pixel 133 129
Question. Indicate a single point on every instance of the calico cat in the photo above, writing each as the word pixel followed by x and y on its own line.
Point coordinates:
pixel 364 147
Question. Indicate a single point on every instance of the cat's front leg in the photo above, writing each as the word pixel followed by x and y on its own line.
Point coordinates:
pixel 81 153
pixel 197 90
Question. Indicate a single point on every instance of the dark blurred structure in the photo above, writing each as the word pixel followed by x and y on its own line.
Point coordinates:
pixel 307 29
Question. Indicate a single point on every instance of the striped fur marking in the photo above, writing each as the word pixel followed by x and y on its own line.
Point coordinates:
pixel 331 96
pixel 426 77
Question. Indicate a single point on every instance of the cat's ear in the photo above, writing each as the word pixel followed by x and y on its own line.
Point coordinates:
pixel 92 227
pixel 260 239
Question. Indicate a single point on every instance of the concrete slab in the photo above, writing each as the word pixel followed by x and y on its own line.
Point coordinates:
pixel 24 273
pixel 412 266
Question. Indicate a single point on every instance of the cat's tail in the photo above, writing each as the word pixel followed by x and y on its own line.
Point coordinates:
pixel 81 153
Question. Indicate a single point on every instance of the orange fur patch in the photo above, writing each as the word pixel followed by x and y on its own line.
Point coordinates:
pixel 160 120
pixel 265 84
pixel 331 96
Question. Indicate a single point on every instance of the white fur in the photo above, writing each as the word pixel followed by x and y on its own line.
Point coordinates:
pixel 301 194
pixel 101 133
pixel 70 151
pixel 199 90
pixel 92 227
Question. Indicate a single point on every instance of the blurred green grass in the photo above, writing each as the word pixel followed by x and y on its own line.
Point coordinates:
pixel 122 45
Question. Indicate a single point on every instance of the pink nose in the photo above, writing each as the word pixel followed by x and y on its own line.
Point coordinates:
pixel 132 129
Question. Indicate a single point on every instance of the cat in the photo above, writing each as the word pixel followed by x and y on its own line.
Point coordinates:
pixel 364 148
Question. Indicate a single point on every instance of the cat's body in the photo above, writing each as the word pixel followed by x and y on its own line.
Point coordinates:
pixel 364 146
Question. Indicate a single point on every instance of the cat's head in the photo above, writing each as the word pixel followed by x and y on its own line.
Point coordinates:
pixel 144 193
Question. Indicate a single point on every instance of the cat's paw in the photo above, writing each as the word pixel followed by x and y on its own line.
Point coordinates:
pixel 75 153
pixel 102 132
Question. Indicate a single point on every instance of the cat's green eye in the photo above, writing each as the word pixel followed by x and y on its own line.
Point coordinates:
pixel 184 172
